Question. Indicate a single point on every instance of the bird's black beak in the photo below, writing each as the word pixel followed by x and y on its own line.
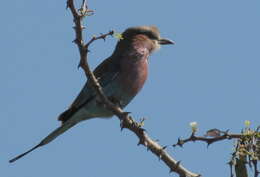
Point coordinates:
pixel 163 41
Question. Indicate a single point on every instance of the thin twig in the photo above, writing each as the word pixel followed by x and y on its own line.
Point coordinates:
pixel 125 119
pixel 209 141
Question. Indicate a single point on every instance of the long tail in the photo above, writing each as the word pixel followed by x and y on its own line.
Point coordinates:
pixel 64 127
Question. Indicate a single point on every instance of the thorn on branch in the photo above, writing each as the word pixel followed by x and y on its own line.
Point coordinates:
pixel 79 65
pixel 161 151
pixel 164 147
pixel 102 36
pixel 140 142
pixel 141 131
pixel 208 143
pixel 122 124
pixel 171 171
pixel 177 165
pixel 77 41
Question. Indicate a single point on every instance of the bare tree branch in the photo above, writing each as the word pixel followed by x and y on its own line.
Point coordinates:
pixel 245 153
pixel 125 119
pixel 207 140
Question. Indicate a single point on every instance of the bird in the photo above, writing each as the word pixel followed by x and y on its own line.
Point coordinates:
pixel 121 76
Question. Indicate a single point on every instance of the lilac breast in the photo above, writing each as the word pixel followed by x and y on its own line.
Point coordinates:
pixel 134 73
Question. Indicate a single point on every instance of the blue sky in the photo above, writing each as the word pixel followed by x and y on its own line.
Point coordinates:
pixel 210 76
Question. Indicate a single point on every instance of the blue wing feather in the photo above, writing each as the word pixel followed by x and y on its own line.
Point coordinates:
pixel 106 72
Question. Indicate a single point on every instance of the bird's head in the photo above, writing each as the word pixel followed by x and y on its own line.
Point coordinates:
pixel 147 35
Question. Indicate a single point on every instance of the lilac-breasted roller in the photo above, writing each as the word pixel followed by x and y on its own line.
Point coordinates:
pixel 121 76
